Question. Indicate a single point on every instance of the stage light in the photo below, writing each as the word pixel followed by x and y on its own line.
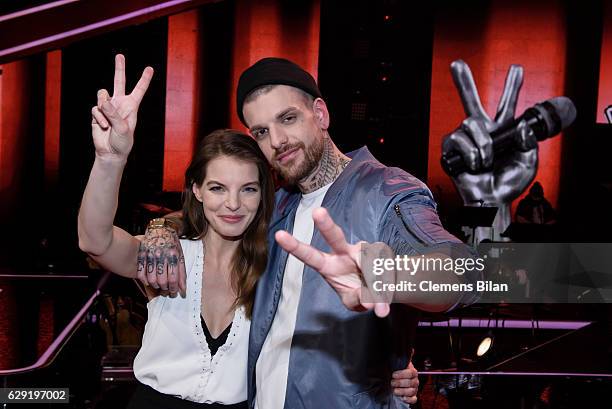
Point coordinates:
pixel 381 140
pixel 485 346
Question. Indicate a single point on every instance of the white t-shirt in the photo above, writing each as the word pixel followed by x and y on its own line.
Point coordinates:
pixel 272 368
pixel 174 358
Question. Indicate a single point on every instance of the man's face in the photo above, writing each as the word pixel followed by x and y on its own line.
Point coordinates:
pixel 288 131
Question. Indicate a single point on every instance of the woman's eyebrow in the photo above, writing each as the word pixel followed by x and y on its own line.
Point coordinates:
pixel 214 182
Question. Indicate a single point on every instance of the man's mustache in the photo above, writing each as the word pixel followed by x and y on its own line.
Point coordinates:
pixel 279 152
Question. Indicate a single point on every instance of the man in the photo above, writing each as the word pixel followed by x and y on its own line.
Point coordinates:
pixel 534 208
pixel 316 341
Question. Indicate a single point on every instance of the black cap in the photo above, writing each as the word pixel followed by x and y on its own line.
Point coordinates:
pixel 273 71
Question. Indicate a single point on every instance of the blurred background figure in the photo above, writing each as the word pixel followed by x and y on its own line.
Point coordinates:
pixel 534 208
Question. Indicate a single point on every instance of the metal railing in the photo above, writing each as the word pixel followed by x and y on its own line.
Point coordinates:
pixel 58 343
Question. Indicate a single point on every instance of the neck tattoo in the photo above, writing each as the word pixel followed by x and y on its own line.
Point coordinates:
pixel 331 164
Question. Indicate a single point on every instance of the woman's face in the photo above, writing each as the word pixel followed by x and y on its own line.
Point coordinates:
pixel 230 195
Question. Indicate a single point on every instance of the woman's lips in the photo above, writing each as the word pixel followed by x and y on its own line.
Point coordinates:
pixel 232 219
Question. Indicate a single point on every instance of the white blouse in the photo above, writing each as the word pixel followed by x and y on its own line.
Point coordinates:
pixel 174 357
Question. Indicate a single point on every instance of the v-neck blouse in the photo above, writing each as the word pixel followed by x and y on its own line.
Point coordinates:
pixel 175 357
pixel 215 343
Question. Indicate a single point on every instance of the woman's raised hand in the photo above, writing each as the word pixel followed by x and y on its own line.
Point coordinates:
pixel 114 117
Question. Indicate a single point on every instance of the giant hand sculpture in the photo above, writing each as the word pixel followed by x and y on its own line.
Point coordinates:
pixel 490 181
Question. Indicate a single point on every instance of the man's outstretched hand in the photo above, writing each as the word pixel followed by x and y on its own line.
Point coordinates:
pixel 341 267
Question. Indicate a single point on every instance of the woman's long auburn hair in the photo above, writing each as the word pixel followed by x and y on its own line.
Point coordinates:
pixel 250 259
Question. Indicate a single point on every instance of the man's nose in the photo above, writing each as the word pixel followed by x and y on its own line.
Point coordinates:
pixel 277 138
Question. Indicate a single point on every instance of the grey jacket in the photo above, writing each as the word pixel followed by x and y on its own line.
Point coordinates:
pixel 340 358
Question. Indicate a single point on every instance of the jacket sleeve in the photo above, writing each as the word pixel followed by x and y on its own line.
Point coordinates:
pixel 410 226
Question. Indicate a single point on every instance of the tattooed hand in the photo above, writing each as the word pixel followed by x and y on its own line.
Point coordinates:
pixel 161 264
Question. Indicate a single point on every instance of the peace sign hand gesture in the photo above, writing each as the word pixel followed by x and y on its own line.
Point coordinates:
pixel 490 179
pixel 341 268
pixel 114 118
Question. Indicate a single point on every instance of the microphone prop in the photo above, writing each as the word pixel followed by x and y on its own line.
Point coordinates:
pixel 545 119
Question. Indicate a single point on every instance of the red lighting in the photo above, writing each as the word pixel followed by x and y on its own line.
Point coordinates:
pixel 182 102
pixel 381 140
pixel 53 91
pixel 387 17
pixel 262 30
pixel 605 67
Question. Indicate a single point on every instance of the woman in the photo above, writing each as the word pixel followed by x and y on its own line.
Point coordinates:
pixel 228 199
pixel 194 349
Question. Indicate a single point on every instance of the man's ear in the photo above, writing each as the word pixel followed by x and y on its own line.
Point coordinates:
pixel 321 113
pixel 196 191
